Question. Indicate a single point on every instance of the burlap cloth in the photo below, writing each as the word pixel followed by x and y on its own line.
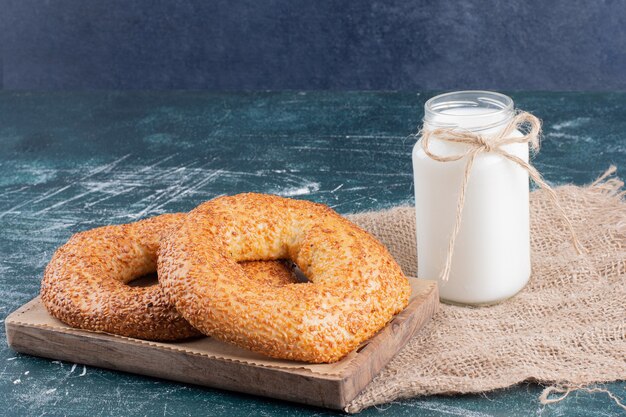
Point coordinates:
pixel 567 326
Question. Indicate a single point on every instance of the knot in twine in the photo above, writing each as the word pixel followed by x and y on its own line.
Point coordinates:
pixel 476 144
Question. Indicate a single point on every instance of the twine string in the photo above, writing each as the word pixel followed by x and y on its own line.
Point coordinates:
pixel 476 144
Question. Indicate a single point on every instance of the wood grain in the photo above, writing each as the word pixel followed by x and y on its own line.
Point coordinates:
pixel 27 334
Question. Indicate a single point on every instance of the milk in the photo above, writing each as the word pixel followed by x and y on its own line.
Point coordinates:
pixel 491 260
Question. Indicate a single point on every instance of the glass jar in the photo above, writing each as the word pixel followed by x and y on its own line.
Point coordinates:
pixel 491 258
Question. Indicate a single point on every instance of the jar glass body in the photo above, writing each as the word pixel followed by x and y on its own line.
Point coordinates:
pixel 491 259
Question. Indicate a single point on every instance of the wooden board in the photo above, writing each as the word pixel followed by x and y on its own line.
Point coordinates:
pixel 32 331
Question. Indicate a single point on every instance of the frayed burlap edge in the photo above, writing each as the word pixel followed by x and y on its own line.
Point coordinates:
pixel 567 327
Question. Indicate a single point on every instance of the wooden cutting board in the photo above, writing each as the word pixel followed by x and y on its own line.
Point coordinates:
pixel 205 361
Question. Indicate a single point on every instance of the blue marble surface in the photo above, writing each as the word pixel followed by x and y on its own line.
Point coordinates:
pixel 72 161
pixel 302 44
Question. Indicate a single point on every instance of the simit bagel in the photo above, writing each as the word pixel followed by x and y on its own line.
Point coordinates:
pixel 84 284
pixel 355 285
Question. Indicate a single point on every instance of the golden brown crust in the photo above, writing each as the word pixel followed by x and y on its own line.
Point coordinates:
pixel 84 284
pixel 356 287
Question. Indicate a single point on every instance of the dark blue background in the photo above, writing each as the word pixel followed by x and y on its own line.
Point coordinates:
pixel 306 44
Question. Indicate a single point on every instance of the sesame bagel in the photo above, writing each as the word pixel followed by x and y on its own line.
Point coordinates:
pixel 355 287
pixel 85 283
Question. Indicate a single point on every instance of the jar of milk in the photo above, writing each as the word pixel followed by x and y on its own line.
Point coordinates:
pixel 491 255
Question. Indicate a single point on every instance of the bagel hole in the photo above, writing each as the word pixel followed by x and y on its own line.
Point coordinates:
pixel 300 276
pixel 147 280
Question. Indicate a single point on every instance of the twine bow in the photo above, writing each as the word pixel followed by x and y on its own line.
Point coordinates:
pixel 476 143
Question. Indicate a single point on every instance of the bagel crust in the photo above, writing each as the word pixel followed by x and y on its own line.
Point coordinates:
pixel 355 287
pixel 85 283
